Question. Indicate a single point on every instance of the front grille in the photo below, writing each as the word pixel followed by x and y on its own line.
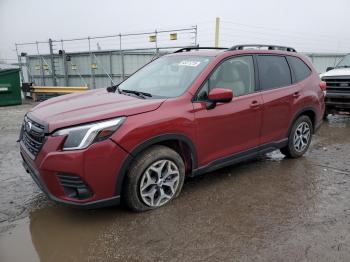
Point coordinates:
pixel 337 84
pixel 73 186
pixel 338 100
pixel 32 135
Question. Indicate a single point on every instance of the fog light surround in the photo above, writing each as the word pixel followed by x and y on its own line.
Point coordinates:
pixel 74 186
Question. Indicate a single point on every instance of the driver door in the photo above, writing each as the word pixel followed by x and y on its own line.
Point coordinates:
pixel 233 127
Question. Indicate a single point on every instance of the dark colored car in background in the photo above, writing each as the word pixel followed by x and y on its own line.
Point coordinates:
pixel 184 114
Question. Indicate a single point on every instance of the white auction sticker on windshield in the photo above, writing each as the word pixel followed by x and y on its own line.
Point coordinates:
pixel 189 63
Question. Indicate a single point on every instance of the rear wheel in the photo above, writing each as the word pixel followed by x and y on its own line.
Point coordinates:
pixel 299 138
pixel 155 178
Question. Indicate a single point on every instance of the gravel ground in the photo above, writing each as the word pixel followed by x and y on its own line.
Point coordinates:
pixel 268 209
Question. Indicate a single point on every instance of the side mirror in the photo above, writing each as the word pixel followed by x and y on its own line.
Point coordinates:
pixel 329 68
pixel 219 95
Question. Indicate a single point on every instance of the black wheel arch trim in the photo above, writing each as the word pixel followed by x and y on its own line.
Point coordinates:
pixel 152 141
pixel 301 112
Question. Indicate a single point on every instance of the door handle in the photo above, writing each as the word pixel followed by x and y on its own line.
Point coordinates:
pixel 296 94
pixel 255 104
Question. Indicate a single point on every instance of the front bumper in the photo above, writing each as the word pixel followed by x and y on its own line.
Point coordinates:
pixel 338 101
pixel 97 166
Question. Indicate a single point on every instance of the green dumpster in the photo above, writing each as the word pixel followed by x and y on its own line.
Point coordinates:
pixel 10 89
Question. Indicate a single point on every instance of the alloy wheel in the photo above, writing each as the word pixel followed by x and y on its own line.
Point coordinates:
pixel 159 183
pixel 302 136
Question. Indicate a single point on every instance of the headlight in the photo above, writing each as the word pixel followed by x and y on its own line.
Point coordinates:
pixel 80 137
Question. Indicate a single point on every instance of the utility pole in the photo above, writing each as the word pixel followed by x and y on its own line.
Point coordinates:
pixel 195 35
pixel 121 54
pixel 217 31
pixel 155 33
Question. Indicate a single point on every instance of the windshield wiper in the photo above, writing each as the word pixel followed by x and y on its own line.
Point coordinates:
pixel 343 66
pixel 112 89
pixel 138 93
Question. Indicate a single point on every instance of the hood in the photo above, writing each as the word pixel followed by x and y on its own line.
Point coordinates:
pixel 95 105
pixel 337 72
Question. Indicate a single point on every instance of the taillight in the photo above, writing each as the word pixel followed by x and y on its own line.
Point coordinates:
pixel 323 85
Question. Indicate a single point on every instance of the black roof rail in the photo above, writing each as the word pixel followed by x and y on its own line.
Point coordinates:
pixel 187 49
pixel 269 47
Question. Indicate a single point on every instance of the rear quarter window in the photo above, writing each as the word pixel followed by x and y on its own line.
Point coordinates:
pixel 300 69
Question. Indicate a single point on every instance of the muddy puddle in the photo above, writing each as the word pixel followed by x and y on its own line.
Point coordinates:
pixel 267 209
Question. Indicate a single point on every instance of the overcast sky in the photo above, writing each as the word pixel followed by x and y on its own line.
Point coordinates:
pixel 319 26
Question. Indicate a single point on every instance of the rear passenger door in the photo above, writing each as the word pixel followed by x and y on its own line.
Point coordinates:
pixel 278 95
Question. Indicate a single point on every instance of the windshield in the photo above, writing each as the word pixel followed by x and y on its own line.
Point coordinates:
pixel 345 62
pixel 168 76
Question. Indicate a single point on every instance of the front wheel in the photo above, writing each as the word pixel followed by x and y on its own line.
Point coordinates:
pixel 299 138
pixel 155 178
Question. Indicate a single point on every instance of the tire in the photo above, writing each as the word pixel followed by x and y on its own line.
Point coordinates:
pixel 299 138
pixel 155 178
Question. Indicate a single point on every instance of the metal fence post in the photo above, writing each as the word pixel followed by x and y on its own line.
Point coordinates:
pixel 53 71
pixel 20 63
pixel 110 65
pixel 29 73
pixel 65 65
pixel 92 72
pixel 42 72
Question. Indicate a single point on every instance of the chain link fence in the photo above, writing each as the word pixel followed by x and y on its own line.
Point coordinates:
pixel 96 61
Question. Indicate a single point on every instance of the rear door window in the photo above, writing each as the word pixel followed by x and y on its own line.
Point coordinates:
pixel 274 72
pixel 300 69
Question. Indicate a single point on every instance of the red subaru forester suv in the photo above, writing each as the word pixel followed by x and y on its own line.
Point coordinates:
pixel 184 114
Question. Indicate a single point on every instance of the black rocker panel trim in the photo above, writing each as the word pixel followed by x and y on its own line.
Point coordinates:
pixel 239 157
